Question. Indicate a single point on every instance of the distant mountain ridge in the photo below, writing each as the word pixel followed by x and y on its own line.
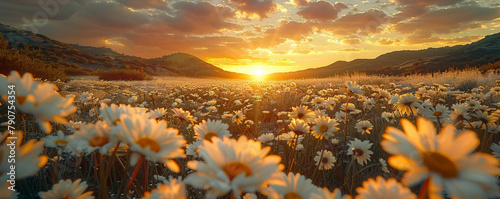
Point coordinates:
pixel 88 57
pixel 484 51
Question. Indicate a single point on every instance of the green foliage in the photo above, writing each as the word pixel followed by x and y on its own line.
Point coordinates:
pixel 123 74
pixel 14 60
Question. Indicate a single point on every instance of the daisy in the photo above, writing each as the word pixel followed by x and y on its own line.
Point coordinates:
pixel 408 104
pixel 383 165
pixel 383 94
pixel 299 127
pixel 361 150
pixel 265 138
pixel 91 137
pixel 446 159
pixel 459 113
pixel 28 160
pixel 364 127
pixel 439 112
pixel 111 114
pixel 324 127
pixel 369 104
pixel 68 189
pixel 58 141
pixel 326 162
pixel 330 103
pixel 234 165
pixel 340 116
pixel 389 117
pixel 192 149
pixel 351 108
pixel 40 100
pixel 302 113
pixel 381 188
pixel 290 137
pixel 183 115
pixel 318 101
pixel 211 128
pixel 86 97
pixel 238 117
pixel 324 193
pixel 151 139
pixel 175 189
pixel 354 88
pixel 295 186
pixel 157 113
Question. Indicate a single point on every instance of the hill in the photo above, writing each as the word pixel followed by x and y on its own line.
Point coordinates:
pixel 484 51
pixel 93 58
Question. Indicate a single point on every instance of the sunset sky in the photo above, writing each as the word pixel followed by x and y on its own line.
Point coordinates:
pixel 258 36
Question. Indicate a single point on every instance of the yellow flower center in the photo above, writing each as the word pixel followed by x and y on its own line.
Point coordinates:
pixel 300 115
pixel 61 142
pixel 144 142
pixel 116 122
pixel 210 135
pixel 437 113
pixel 323 128
pixel 292 195
pixel 440 163
pixel 98 141
pixel 233 169
pixel 21 100
pixel 357 152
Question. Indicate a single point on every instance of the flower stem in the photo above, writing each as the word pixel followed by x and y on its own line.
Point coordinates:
pixel 136 171
pixel 296 138
pixel 55 170
pixel 423 190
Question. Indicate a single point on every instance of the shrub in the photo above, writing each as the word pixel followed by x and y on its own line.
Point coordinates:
pixel 467 85
pixel 123 74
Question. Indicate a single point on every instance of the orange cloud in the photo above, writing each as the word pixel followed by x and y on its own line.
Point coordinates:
pixel 321 10
pixel 450 20
pixel 261 8
pixel 368 22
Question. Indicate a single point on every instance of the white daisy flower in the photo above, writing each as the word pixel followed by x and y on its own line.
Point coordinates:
pixel 302 113
pixel 295 186
pixel 326 162
pixel 265 138
pixel 324 193
pixel 361 150
pixel 91 137
pixel 353 87
pixel 151 139
pixel 324 126
pixel 211 128
pixel 68 189
pixel 364 126
pixel 234 165
pixel 386 189
pixel 175 189
pixel 446 159
pixel 40 100
pixel 299 127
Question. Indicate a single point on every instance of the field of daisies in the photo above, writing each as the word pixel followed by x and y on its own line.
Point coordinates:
pixel 421 136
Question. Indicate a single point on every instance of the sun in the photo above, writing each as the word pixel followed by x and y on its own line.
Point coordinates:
pixel 259 74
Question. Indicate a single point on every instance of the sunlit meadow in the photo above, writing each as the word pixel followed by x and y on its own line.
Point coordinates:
pixel 359 136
